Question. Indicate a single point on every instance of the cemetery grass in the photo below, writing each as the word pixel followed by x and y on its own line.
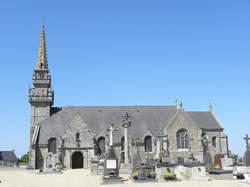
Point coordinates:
pixel 15 177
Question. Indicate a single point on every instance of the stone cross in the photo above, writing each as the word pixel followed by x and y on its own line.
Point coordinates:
pixel 247 143
pixel 111 129
pixel 204 141
pixel 158 149
pixel 126 123
pixel 161 140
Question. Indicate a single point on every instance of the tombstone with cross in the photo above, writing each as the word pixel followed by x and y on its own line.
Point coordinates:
pixel 247 152
pixel 207 158
pixel 162 145
pixel 137 160
pixel 110 130
pixel 111 168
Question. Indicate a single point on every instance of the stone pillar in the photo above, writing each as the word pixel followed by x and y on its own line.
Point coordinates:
pixel 126 161
pixel 126 166
pixel 111 138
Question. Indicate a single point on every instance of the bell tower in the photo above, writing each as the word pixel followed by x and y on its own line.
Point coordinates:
pixel 41 96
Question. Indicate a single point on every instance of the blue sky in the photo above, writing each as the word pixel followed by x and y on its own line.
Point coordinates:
pixel 133 52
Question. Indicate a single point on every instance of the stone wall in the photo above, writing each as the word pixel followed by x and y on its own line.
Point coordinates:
pixel 85 143
pixel 38 114
pixel 182 121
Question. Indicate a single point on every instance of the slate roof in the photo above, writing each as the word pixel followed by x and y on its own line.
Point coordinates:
pixel 8 156
pixel 205 120
pixel 145 120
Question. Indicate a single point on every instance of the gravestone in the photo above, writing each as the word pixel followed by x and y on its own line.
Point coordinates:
pixel 50 161
pixel 207 158
pixel 149 164
pixel 142 175
pixel 199 174
pixel 160 171
pixel 247 158
pixel 111 169
pixel 94 166
pixel 137 162
pixel 226 162
pixel 180 160
pixel 199 158
pixel 100 166
pixel 49 164
pixel 179 172
pixel 244 170
pixel 166 159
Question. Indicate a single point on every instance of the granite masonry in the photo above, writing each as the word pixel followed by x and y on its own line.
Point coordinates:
pixel 76 135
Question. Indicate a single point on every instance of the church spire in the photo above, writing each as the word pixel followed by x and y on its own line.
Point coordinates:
pixel 42 62
pixel 42 94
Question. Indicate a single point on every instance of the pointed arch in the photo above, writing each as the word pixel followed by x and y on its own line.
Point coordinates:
pixel 101 146
pixel 52 145
pixel 214 141
pixel 148 144
pixel 182 139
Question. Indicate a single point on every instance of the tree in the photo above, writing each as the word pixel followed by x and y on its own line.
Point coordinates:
pixel 25 158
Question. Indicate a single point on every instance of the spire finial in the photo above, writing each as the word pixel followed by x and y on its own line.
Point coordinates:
pixel 175 102
pixel 210 107
pixel 42 58
pixel 181 106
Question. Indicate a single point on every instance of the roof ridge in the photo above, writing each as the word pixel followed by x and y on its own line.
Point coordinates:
pixel 172 106
pixel 198 111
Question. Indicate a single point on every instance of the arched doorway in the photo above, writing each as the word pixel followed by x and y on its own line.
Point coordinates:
pixel 77 160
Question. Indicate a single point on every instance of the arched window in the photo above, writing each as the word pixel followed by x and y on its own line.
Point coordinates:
pixel 52 145
pixel 122 143
pixel 101 146
pixel 148 144
pixel 182 139
pixel 214 141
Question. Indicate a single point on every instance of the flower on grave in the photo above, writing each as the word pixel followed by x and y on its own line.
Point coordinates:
pixel 169 176
pixel 217 166
pixel 135 174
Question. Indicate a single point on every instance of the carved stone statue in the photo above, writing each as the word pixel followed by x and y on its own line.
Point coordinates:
pixel 125 118
pixel 204 141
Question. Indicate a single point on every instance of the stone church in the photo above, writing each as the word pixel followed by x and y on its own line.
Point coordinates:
pixel 78 134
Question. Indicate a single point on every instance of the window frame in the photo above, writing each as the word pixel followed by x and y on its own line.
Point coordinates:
pixel 146 149
pixel 182 140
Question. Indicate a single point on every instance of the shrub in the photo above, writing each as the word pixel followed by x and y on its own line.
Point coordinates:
pixel 152 175
pixel 169 176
